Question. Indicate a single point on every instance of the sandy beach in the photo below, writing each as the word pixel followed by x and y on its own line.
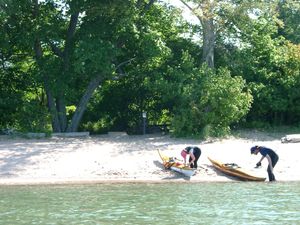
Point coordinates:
pixel 118 157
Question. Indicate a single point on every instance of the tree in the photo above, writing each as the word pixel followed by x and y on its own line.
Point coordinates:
pixel 121 102
pixel 289 14
pixel 270 65
pixel 18 88
pixel 76 45
pixel 219 18
pixel 210 101
pixel 205 12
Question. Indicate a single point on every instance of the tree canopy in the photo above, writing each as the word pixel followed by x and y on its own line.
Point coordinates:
pixel 97 65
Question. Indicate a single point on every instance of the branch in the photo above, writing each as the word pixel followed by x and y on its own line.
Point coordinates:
pixel 125 62
pixel 56 50
pixel 72 26
pixel 71 32
pixel 187 5
pixel 119 69
pixel 69 39
pixel 193 10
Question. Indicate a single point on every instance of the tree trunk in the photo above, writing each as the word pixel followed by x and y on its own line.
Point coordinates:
pixel 56 104
pixel 50 100
pixel 208 42
pixel 51 107
pixel 205 13
pixel 80 109
pixel 61 110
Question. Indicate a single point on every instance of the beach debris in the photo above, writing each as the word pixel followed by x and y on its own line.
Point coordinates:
pixel 291 138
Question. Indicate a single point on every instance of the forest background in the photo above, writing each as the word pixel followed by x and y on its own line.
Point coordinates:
pixel 99 66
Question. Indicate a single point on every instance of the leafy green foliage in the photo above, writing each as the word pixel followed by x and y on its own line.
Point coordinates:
pixel 143 88
pixel 33 117
pixel 289 13
pixel 272 74
pixel 140 57
pixel 210 103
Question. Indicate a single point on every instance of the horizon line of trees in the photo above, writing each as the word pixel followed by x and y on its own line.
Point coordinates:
pixel 76 65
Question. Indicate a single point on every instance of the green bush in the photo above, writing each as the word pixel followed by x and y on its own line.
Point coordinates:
pixel 210 103
pixel 101 126
pixel 33 117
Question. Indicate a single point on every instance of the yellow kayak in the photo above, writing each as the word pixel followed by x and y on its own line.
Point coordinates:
pixel 234 170
pixel 175 165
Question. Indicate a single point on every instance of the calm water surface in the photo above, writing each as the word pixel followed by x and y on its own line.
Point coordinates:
pixel 181 203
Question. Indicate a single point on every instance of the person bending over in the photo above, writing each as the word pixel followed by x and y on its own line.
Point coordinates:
pixel 271 156
pixel 194 154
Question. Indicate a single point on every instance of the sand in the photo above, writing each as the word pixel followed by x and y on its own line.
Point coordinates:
pixel 118 157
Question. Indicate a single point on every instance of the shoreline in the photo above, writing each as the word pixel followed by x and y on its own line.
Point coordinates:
pixel 115 159
pixel 87 183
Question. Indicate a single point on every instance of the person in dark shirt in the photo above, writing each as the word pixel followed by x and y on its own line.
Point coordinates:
pixel 194 153
pixel 271 156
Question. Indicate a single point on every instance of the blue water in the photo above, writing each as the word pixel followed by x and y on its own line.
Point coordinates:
pixel 180 203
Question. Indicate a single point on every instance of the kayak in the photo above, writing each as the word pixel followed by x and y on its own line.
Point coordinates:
pixel 234 170
pixel 175 165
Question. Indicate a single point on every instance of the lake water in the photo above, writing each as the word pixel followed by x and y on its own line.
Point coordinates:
pixel 168 203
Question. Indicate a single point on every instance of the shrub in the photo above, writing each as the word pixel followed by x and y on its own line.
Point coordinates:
pixel 210 103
